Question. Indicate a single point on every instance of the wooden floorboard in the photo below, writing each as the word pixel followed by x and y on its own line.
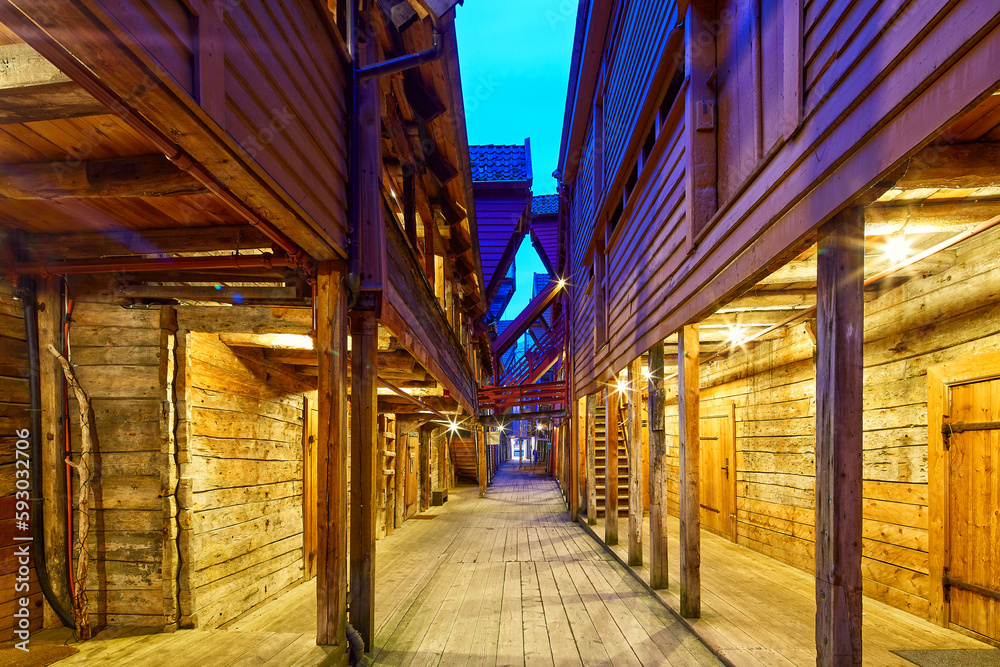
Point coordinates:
pixel 758 611
pixel 501 580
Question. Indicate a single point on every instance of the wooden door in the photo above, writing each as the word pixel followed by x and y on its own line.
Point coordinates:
pixel 718 471
pixel 972 574
pixel 310 423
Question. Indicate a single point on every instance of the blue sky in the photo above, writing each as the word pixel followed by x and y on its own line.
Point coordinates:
pixel 515 57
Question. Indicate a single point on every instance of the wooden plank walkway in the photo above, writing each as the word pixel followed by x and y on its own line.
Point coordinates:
pixel 509 580
pixel 501 580
pixel 758 611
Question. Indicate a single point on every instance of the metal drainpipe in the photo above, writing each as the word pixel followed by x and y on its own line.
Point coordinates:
pixel 28 303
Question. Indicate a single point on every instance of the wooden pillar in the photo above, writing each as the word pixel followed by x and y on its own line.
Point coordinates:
pixel 400 463
pixel 480 441
pixel 53 482
pixel 611 467
pixel 635 462
pixel 331 457
pixel 688 396
pixel 573 457
pixel 701 175
pixel 839 366
pixel 591 459
pixel 658 576
pixel 410 204
pixel 364 439
pixel 424 471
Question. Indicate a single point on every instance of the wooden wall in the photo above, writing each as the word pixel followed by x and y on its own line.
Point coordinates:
pixel 927 320
pixel 119 358
pixel 243 463
pixel 636 256
pixel 879 79
pixel 14 416
pixel 255 92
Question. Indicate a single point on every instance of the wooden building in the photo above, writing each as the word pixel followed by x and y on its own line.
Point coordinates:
pixel 782 243
pixel 250 229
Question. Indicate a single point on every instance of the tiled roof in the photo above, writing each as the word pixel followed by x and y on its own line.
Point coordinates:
pixel 544 204
pixel 541 280
pixel 501 163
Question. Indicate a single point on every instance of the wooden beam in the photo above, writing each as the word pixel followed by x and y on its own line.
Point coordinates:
pixel 53 482
pixel 928 217
pixel 658 573
pixel 953 167
pixel 635 505
pixel 839 375
pixel 331 457
pixel 525 318
pixel 364 441
pixel 591 428
pixel 610 468
pixel 479 436
pixel 125 242
pixel 690 501
pixel 700 96
pixel 410 205
pixel 33 89
pixel 772 299
pixel 142 176
pixel 371 222
pixel 424 471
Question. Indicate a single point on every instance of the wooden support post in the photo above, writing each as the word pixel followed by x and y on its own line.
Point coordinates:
pixel 479 436
pixel 573 457
pixel 331 457
pixel 658 576
pixel 839 371
pixel 700 28
pixel 611 468
pixel 635 462
pixel 53 482
pixel 364 439
pixel 399 464
pixel 688 396
pixel 591 459
pixel 424 471
pixel 410 204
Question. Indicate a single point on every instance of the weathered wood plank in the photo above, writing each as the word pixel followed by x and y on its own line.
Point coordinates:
pixel 658 558
pixel 840 313
pixel 635 464
pixel 331 459
pixel 688 392
pixel 364 444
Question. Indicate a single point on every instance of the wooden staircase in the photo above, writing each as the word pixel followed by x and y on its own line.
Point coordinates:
pixel 600 460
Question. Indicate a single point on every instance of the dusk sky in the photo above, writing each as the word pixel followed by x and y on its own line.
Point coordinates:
pixel 515 59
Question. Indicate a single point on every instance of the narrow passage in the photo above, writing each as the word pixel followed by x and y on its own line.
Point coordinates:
pixel 509 580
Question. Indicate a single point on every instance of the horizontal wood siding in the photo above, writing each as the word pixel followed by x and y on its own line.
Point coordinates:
pixel 117 357
pixel 921 69
pixel 244 422
pixel 926 321
pixel 583 202
pixel 497 217
pixel 165 28
pixel 639 40
pixel 14 416
pixel 650 239
pixel 286 103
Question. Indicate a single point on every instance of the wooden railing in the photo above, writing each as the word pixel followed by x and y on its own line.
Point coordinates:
pixel 537 359
pixel 501 399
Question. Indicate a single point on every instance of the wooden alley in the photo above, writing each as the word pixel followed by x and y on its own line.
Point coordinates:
pixel 503 580
pixel 260 388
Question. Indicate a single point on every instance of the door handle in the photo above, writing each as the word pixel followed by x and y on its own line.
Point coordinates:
pixel 726 467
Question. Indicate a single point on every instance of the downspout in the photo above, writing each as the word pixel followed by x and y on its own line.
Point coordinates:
pixel 26 287
pixel 360 75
